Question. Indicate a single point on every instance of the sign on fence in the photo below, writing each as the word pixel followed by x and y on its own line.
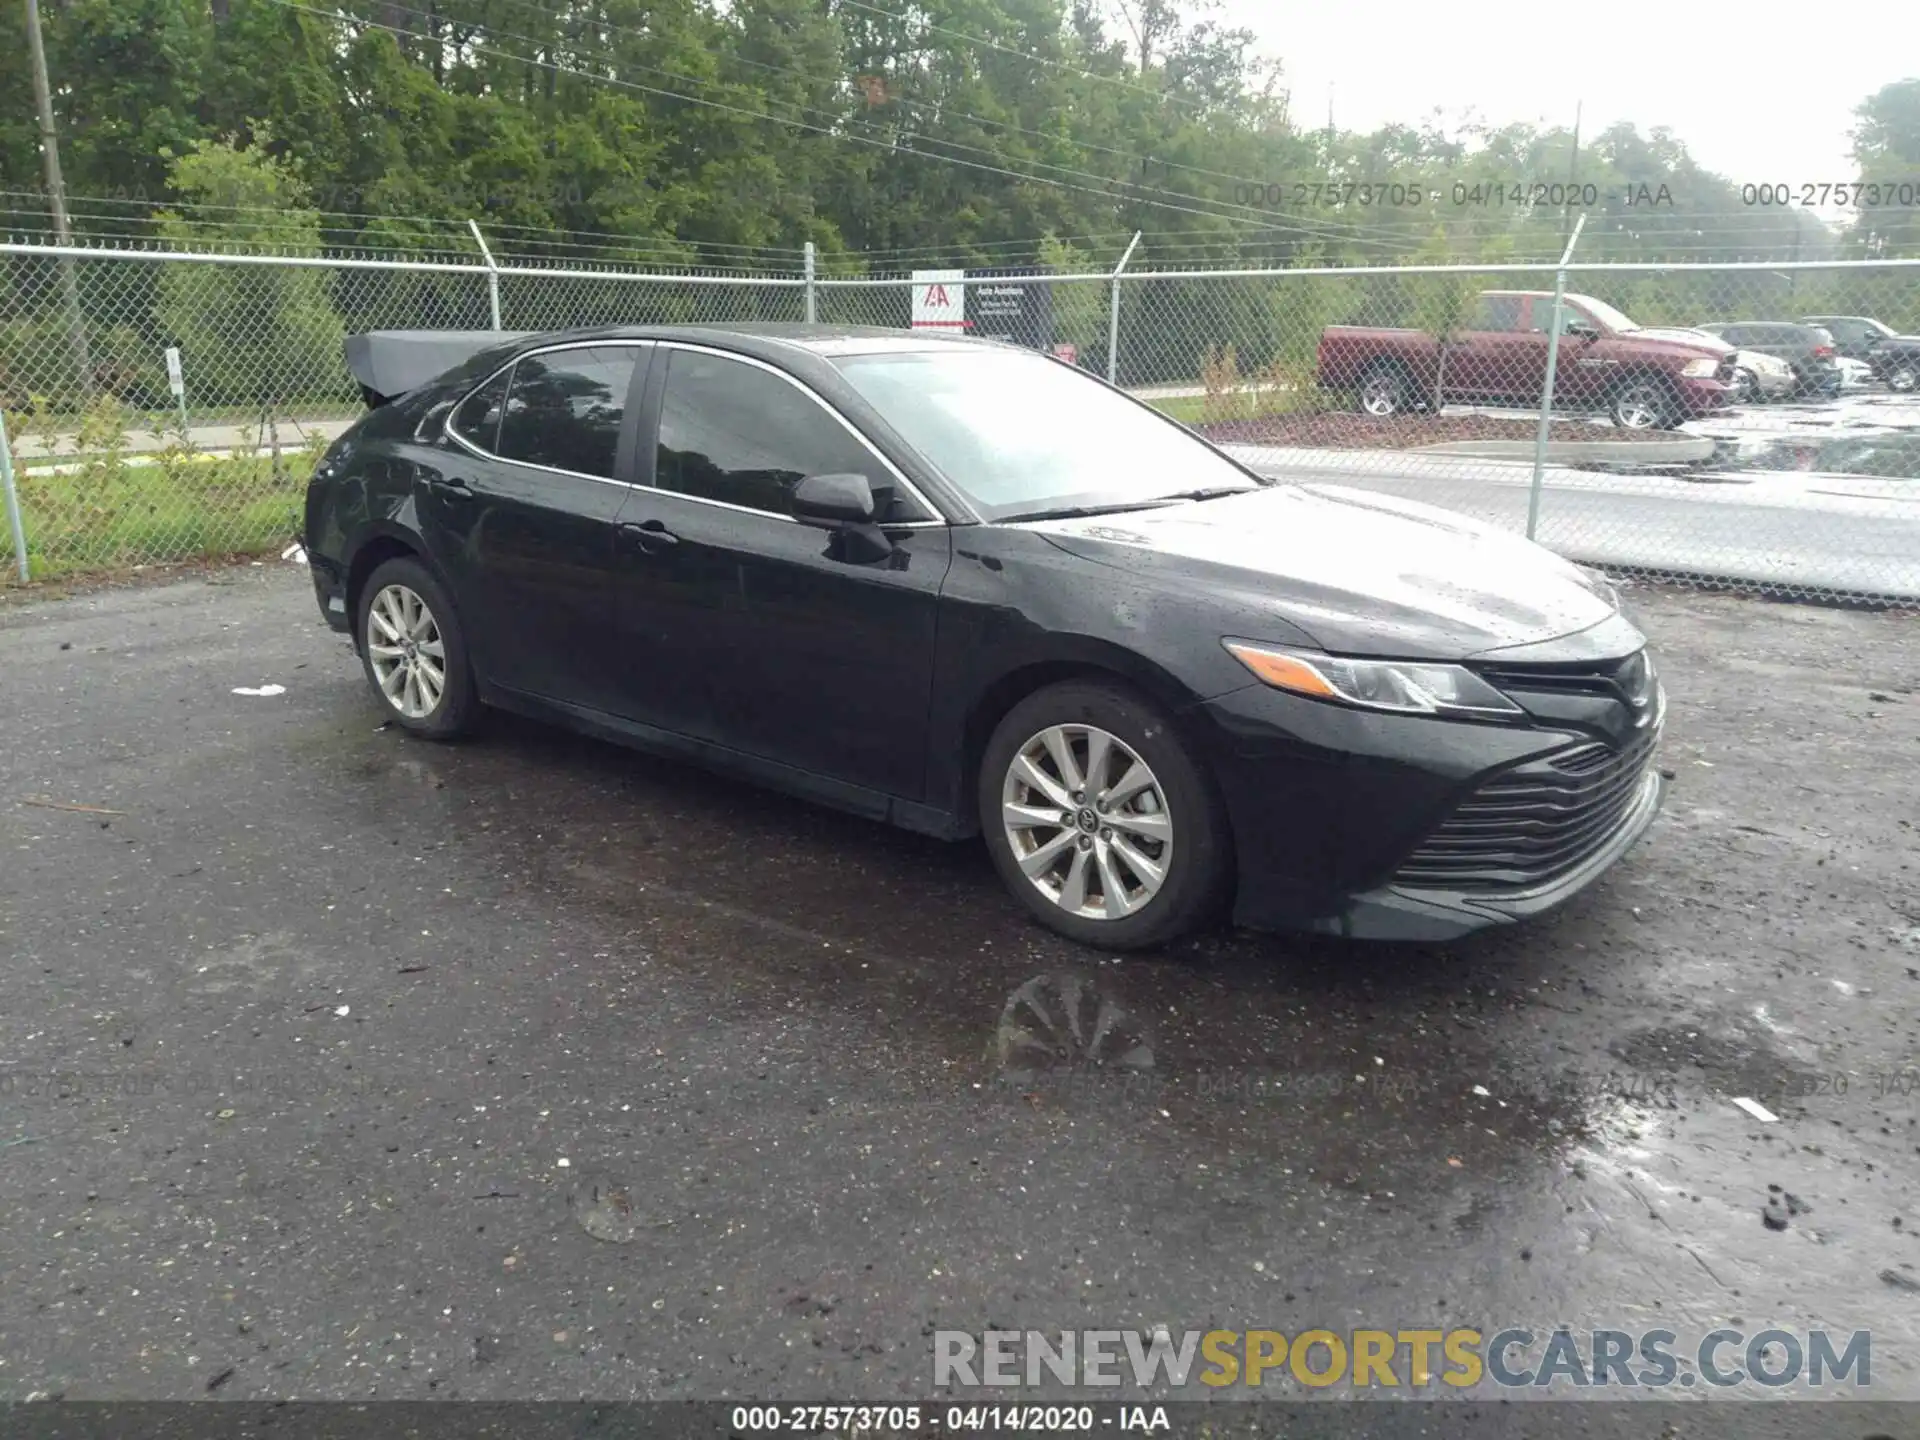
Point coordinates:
pixel 939 300
pixel 176 382
pixel 1006 310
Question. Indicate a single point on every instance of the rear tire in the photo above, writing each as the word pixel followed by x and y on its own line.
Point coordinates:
pixel 1384 391
pixel 414 651
pixel 1099 818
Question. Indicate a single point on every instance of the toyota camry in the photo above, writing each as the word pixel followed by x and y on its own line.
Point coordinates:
pixel 967 589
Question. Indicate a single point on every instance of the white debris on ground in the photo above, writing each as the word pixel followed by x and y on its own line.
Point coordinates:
pixel 259 689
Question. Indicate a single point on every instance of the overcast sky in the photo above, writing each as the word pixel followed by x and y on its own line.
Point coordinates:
pixel 1759 94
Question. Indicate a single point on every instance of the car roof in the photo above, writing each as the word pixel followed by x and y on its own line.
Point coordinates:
pixel 759 337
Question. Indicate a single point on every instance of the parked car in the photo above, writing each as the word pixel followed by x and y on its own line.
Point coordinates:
pixel 958 586
pixel 1758 376
pixel 1893 358
pixel 1854 374
pixel 1645 378
pixel 1807 348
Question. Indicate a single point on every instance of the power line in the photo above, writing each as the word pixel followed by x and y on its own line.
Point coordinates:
pixel 940 109
pixel 1224 211
pixel 892 148
pixel 1141 90
pixel 814 110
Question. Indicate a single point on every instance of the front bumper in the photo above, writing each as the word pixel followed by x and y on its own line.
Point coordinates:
pixel 1700 396
pixel 1330 805
pixel 1405 912
pixel 329 590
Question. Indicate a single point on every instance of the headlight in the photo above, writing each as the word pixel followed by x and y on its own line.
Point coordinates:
pixel 1701 368
pixel 1412 687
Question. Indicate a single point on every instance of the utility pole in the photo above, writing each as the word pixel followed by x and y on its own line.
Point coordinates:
pixel 57 198
pixel 1573 174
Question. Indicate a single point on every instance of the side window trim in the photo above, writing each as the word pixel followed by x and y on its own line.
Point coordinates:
pixel 647 477
pixel 629 431
pixel 454 430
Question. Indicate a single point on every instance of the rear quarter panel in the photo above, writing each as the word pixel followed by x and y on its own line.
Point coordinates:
pixel 1346 352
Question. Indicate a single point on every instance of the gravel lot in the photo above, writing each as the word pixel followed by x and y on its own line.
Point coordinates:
pixel 533 1068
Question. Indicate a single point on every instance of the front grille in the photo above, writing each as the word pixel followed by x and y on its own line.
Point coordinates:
pixel 1631 680
pixel 1533 823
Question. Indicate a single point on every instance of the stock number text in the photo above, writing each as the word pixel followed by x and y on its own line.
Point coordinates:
pixel 1854 195
pixel 1304 194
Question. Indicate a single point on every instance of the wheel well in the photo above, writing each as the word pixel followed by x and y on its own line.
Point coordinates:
pixel 1016 685
pixel 1386 365
pixel 1639 373
pixel 368 558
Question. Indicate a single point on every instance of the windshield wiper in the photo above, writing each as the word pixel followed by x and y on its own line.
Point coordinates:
pixel 1151 502
pixel 1081 512
pixel 1211 492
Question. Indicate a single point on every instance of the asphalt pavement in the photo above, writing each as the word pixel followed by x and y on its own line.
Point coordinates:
pixel 335 1064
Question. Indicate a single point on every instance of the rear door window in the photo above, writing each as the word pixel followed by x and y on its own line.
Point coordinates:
pixel 565 408
pixel 1500 312
pixel 478 418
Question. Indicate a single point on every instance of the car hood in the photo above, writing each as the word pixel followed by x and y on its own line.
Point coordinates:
pixel 1366 574
pixel 1680 339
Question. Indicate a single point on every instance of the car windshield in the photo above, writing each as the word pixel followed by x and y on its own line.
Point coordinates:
pixel 1022 435
pixel 1609 317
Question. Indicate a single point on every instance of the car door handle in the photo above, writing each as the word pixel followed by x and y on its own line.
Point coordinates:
pixel 652 536
pixel 450 488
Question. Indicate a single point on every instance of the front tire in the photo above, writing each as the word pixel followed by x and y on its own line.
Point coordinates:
pixel 1099 819
pixel 1746 386
pixel 1643 403
pixel 414 651
pixel 1904 376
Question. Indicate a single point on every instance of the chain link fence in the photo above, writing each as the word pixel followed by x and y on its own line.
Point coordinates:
pixel 1753 425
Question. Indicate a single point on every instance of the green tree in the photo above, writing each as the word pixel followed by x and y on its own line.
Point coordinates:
pixel 1441 302
pixel 1886 144
pixel 1079 308
pixel 257 335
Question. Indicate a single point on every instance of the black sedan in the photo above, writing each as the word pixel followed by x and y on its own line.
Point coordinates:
pixel 970 590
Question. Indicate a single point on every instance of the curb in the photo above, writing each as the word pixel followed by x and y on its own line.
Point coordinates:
pixel 1684 450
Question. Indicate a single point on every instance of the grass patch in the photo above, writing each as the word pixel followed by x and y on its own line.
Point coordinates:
pixel 1242 405
pixel 107 509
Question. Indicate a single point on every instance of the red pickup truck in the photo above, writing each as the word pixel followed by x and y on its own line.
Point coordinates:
pixel 1646 379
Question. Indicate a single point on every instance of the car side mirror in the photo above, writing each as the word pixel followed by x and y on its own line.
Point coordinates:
pixel 834 500
pixel 1580 330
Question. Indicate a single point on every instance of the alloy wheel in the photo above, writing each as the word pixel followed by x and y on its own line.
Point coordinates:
pixel 1380 396
pixel 408 655
pixel 1903 377
pixel 1087 821
pixel 1639 407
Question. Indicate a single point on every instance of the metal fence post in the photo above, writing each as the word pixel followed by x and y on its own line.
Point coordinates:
pixel 493 273
pixel 813 314
pixel 13 503
pixel 1113 314
pixel 1546 388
